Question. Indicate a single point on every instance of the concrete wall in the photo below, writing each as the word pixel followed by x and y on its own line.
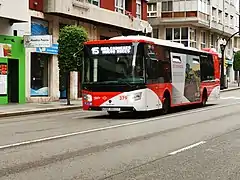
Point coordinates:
pixel 94 13
pixel 13 9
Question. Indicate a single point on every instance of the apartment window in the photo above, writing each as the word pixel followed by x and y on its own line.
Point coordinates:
pixel 95 2
pixel 152 10
pixel 226 19
pixel 203 39
pixel 193 37
pixel 231 21
pixel 155 33
pixel 120 6
pixel 179 35
pixel 167 6
pixel 214 14
pixel 220 16
pixel 138 9
pixel 212 42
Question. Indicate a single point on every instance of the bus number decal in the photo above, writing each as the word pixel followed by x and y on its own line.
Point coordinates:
pixel 123 98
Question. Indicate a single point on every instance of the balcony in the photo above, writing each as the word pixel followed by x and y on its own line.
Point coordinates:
pixel 82 9
pixel 178 18
pixel 15 13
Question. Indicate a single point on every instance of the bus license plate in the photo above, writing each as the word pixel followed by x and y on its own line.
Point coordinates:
pixel 111 109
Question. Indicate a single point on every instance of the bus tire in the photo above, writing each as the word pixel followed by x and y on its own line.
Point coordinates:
pixel 204 98
pixel 113 113
pixel 166 105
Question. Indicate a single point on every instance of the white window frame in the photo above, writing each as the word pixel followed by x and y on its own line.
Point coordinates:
pixel 203 40
pixel 118 7
pixel 226 19
pixel 138 14
pixel 212 42
pixel 168 9
pixel 91 2
pixel 193 41
pixel 180 35
pixel 150 10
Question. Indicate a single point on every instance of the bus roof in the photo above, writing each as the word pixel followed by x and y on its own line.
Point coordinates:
pixel 138 38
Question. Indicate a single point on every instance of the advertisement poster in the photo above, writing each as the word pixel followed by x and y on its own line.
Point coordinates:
pixel 5 50
pixel 3 79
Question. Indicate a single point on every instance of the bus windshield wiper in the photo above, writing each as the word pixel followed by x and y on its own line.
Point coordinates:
pixel 125 82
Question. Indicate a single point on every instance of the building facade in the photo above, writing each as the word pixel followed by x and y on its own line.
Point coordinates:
pixel 12 52
pixel 102 19
pixel 197 23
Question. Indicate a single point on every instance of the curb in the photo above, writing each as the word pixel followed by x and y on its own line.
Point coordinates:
pixel 39 111
pixel 230 89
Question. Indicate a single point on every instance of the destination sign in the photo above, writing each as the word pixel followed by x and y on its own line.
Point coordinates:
pixel 111 50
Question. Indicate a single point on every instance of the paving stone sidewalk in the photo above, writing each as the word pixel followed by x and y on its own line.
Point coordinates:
pixel 32 108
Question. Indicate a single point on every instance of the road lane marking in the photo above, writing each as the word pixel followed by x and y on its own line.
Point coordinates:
pixel 231 97
pixel 110 127
pixel 187 148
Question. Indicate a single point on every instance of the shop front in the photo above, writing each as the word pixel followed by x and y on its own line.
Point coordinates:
pixel 12 70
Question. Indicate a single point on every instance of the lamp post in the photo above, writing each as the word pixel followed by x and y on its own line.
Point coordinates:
pixel 223 45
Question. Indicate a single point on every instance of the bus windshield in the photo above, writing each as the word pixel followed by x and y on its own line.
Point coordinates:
pixel 114 64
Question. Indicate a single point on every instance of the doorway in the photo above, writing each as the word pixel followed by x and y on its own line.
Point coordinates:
pixel 13 81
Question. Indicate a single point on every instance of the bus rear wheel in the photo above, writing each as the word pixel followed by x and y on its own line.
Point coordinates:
pixel 204 98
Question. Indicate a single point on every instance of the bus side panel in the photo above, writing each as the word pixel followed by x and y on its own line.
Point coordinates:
pixel 178 78
pixel 192 90
pixel 213 85
pixel 213 90
pixel 216 67
pixel 159 90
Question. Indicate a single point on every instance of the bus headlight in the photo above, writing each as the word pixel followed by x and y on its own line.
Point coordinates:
pixel 87 97
pixel 137 96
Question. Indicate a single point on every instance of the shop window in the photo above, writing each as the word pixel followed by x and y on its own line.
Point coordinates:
pixel 39 74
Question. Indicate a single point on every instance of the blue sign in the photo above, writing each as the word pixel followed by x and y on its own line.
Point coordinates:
pixel 39 27
pixel 49 50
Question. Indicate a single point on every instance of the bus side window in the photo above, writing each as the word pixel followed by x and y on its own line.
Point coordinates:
pixel 163 64
pixel 151 65
pixel 207 68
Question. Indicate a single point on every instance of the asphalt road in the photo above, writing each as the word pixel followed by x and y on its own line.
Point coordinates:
pixel 202 143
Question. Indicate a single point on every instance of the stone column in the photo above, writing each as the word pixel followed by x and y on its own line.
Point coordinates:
pixel 53 65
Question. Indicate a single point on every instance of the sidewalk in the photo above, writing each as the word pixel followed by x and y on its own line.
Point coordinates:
pixel 33 108
pixel 231 87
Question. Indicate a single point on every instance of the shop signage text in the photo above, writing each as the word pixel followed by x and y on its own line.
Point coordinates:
pixel 37 41
pixel 48 50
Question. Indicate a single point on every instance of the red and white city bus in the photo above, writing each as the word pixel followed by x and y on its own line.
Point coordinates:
pixel 139 73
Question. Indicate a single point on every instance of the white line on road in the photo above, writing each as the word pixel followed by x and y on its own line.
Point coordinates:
pixel 230 97
pixel 187 148
pixel 109 127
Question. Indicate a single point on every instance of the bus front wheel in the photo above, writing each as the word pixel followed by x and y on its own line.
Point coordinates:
pixel 166 105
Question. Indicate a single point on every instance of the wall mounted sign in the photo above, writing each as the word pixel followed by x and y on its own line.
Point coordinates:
pixel 3 79
pixel 37 41
pixel 5 50
pixel 49 50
